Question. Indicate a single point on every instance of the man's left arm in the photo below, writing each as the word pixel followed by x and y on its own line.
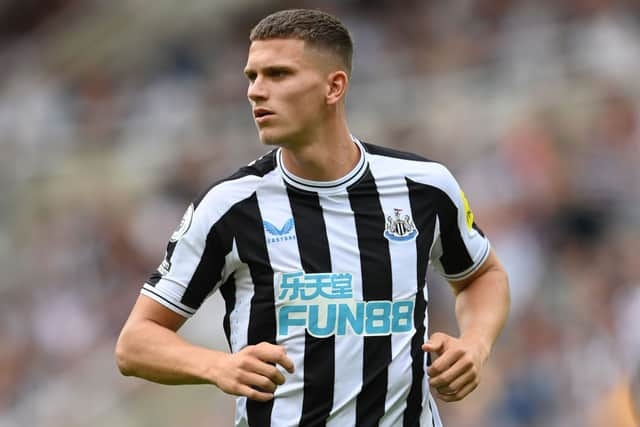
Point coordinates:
pixel 482 305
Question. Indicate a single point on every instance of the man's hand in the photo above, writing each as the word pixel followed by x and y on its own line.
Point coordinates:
pixel 455 371
pixel 252 372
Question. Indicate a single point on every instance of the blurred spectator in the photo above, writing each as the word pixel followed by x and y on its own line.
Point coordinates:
pixel 112 118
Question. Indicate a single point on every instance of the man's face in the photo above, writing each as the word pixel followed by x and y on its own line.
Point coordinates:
pixel 287 89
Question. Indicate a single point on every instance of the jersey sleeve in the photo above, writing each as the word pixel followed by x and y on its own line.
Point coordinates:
pixel 459 247
pixel 194 262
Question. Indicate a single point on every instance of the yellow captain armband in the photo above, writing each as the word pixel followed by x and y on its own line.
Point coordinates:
pixel 467 210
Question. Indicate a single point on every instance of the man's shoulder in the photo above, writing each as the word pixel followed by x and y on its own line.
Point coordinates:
pixel 259 168
pixel 378 150
pixel 239 180
pixel 388 162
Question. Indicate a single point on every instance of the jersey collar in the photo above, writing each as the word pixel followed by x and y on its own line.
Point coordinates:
pixel 327 187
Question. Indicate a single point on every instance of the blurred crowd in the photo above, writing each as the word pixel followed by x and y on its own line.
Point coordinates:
pixel 533 104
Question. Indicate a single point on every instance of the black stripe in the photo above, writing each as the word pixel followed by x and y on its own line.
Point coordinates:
pixel 154 278
pixel 169 302
pixel 171 246
pixel 228 291
pixel 455 257
pixel 246 221
pixel 478 229
pixel 209 269
pixel 319 353
pixel 375 262
pixel 423 211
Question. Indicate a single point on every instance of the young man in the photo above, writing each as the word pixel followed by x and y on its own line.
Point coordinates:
pixel 320 250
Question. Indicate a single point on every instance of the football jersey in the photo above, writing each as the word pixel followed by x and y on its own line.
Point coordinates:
pixel 333 271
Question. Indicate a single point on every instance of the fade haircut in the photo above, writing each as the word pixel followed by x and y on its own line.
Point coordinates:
pixel 316 28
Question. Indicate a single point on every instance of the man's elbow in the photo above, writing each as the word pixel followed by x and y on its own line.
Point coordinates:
pixel 123 355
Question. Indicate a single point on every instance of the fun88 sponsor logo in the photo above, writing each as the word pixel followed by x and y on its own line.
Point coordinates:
pixel 323 304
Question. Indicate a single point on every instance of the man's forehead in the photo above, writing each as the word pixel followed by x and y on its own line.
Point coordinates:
pixel 281 51
pixel 278 44
pixel 285 48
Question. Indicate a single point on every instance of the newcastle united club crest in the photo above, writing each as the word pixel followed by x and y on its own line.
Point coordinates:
pixel 400 228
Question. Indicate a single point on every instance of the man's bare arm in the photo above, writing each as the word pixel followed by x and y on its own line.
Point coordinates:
pixel 150 348
pixel 482 307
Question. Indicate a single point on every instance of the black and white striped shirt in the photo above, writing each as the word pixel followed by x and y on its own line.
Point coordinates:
pixel 334 272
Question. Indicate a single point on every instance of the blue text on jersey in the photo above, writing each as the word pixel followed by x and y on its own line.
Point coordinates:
pixel 323 304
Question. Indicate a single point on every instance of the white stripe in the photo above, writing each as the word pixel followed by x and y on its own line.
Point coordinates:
pixel 426 418
pixel 239 316
pixel 149 291
pixel 239 322
pixel 399 381
pixel 436 245
pixel 241 418
pixel 395 195
pixel 326 187
pixel 435 413
pixel 349 349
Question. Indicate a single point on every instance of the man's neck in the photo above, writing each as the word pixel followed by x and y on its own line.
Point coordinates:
pixel 324 158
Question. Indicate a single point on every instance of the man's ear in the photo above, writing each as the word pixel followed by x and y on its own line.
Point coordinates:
pixel 337 83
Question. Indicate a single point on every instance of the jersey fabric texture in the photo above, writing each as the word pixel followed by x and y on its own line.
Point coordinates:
pixel 333 271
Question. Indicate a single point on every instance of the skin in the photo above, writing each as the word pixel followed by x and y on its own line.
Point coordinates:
pixel 635 392
pixel 304 90
pixel 482 306
pixel 150 348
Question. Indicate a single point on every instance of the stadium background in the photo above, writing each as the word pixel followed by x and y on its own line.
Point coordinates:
pixel 113 115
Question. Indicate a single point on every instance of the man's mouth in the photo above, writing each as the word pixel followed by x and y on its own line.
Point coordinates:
pixel 261 112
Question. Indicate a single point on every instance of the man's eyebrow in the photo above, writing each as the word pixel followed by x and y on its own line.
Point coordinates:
pixel 269 71
pixel 277 68
pixel 269 68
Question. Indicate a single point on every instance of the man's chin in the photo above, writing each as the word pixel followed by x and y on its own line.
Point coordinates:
pixel 267 138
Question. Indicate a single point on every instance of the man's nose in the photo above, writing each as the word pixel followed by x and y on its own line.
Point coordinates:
pixel 257 90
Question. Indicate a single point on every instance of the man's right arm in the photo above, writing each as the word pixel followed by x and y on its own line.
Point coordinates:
pixel 150 348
